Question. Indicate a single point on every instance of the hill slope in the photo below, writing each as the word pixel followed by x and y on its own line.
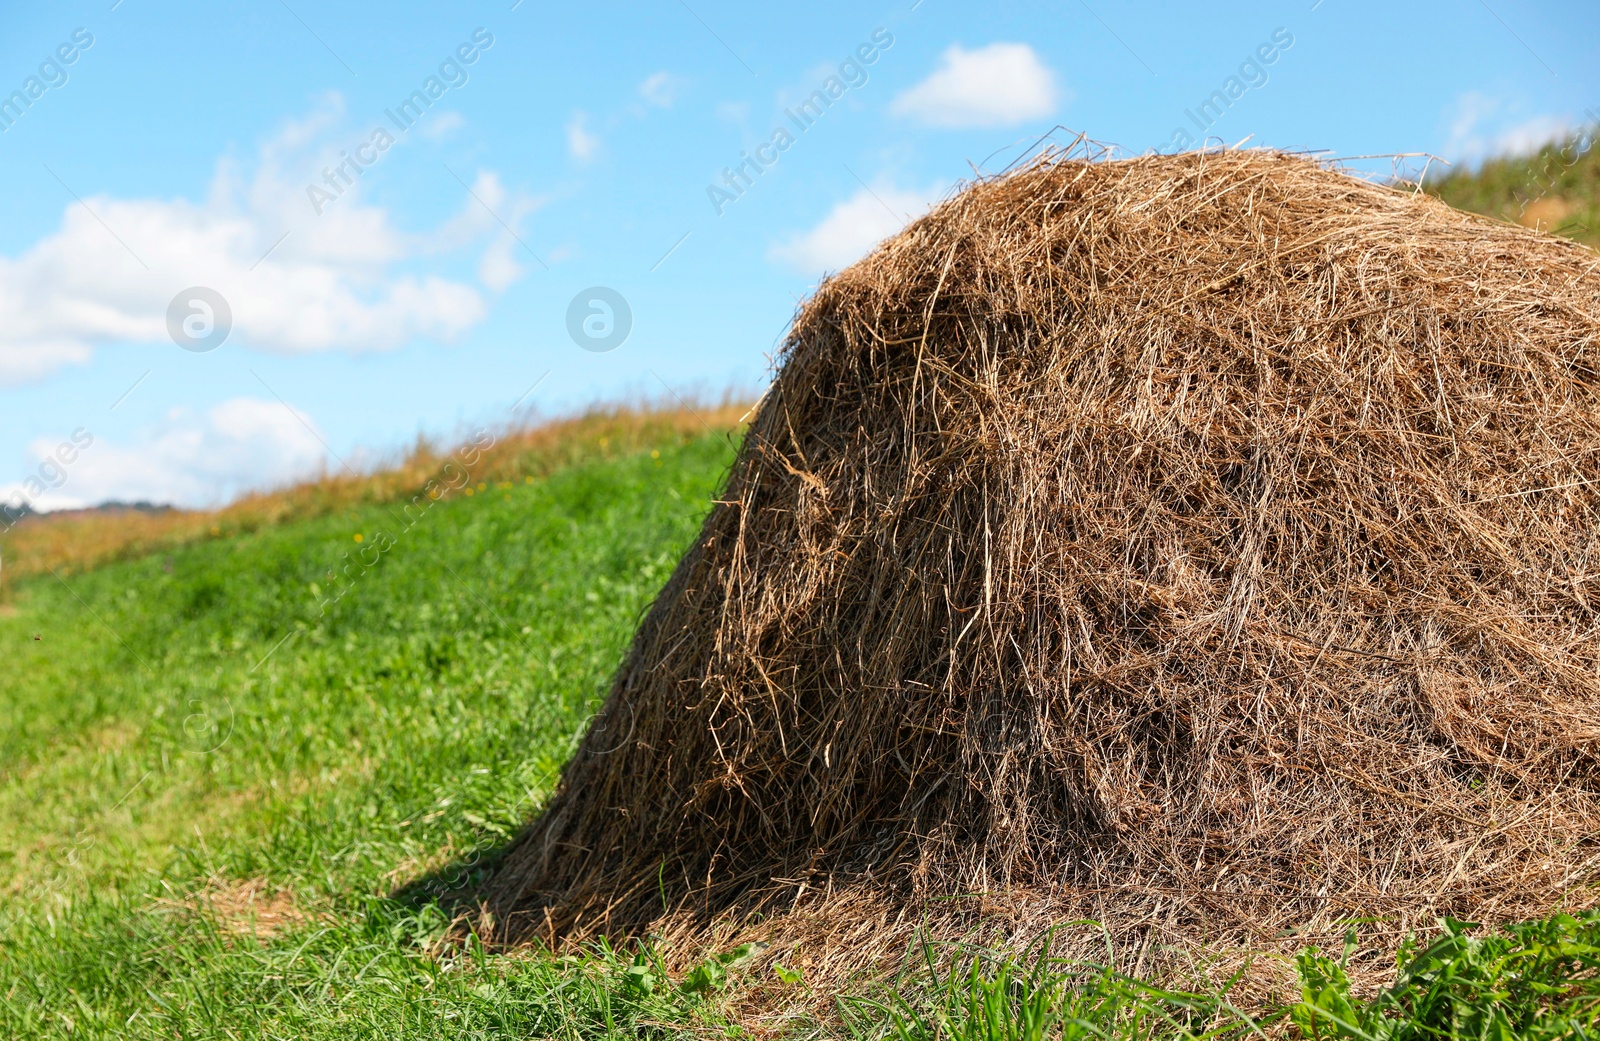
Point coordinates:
pixel 73 541
pixel 219 762
pixel 1555 189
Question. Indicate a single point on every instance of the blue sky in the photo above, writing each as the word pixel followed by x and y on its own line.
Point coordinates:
pixel 172 146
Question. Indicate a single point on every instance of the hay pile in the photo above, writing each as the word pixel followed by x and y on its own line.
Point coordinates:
pixel 1206 541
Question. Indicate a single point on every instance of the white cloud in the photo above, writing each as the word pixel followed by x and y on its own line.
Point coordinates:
pixel 580 142
pixel 660 89
pixel 499 267
pixel 998 85
pixel 852 228
pixel 441 126
pixel 1531 134
pixel 1484 126
pixel 186 460
pixel 331 282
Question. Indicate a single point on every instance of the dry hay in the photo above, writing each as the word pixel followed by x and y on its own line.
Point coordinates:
pixel 250 907
pixel 1203 543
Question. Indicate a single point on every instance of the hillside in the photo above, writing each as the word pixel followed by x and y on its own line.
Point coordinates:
pixel 1555 189
pixel 229 767
pixel 77 540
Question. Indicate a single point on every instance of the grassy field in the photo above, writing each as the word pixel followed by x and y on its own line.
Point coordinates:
pixel 205 836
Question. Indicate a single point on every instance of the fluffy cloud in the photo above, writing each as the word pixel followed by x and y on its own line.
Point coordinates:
pixel 296 281
pixel 659 89
pixel 1531 134
pixel 1483 126
pixel 998 85
pixel 186 460
pixel 851 229
pixel 441 126
pixel 580 142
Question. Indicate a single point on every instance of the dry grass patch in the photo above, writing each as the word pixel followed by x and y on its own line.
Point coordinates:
pixel 1546 214
pixel 250 907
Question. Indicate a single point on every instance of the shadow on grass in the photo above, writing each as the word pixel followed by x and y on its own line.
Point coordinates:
pixel 454 887
pixel 461 891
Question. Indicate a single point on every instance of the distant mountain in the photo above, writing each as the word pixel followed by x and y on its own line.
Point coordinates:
pixel 10 514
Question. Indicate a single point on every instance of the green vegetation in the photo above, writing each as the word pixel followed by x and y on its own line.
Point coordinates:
pixel 1557 188
pixel 234 788
pixel 204 840
pixel 1003 999
pixel 1537 980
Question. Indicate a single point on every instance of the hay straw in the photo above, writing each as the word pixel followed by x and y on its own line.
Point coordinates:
pixel 1206 544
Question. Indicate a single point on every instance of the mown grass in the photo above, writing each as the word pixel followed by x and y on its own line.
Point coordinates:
pixel 237 775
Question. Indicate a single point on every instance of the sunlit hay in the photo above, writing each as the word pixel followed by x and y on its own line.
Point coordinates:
pixel 1204 544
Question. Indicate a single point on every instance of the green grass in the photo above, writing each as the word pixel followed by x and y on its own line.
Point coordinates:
pixel 151 757
pixel 984 996
pixel 1536 980
pixel 234 785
